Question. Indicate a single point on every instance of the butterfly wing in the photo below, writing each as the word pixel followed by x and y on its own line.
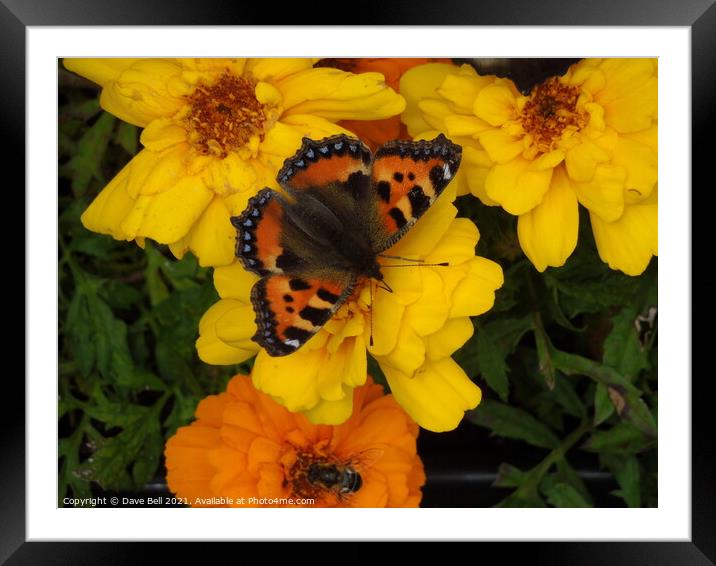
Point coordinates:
pixel 406 179
pixel 290 310
pixel 303 281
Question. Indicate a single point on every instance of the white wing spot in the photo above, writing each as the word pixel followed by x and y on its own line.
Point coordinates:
pixel 293 343
pixel 446 172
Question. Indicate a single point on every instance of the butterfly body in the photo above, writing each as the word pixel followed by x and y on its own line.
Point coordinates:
pixel 316 240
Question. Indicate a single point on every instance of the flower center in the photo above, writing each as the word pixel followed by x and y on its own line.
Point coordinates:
pixel 224 116
pixel 551 109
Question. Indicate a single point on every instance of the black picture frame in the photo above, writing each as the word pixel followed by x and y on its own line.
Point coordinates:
pixel 699 15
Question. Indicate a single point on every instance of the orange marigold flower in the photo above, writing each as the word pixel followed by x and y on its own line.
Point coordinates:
pixel 246 450
pixel 377 132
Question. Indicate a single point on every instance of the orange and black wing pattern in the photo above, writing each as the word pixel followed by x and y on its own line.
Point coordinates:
pixel 337 159
pixel 296 295
pixel 290 310
pixel 406 179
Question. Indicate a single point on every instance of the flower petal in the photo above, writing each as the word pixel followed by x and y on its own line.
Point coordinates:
pixel 141 92
pixel 211 348
pixel 101 70
pixel 155 172
pixel 582 160
pixel 542 243
pixel 107 211
pixel 451 337
pixel 437 396
pixel 475 166
pixel 408 354
pixel 300 392
pixel 336 95
pixel 273 69
pixel 428 231
pixel 162 133
pixel 496 104
pixel 501 146
pixel 417 84
pixel 331 412
pixel 475 293
pixel 515 187
pixel 640 162
pixel 604 194
pixel 628 243
pixel 234 282
pixel 166 217
pixel 429 313
pixel 212 238
pixel 462 89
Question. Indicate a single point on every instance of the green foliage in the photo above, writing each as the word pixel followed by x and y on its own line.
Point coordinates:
pixel 128 319
pixel 566 362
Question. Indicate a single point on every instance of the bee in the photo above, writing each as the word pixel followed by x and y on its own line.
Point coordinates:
pixel 341 479
pixel 314 476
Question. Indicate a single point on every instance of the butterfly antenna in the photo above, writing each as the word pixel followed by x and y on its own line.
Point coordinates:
pixel 441 264
pixel 372 302
pixel 401 257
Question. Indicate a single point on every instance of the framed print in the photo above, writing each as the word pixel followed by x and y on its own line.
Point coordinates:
pixel 231 330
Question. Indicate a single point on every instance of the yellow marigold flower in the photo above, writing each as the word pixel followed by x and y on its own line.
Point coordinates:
pixel 246 450
pixel 376 132
pixel 588 137
pixel 415 330
pixel 215 132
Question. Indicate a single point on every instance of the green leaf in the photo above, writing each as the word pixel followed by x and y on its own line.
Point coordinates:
pixel 127 136
pixel 623 438
pixel 567 474
pixel 509 476
pixel 492 364
pixel 585 284
pixel 544 352
pixel 603 406
pixel 622 350
pixel 519 500
pixel 94 245
pixel 119 295
pixel 565 395
pixel 512 422
pixel 85 165
pixel 572 364
pixel 156 287
pixel 560 494
pixel 147 460
pixel 109 464
pixel 626 472
pixel 90 325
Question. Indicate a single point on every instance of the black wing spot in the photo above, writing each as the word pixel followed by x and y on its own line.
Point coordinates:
pixel 419 201
pixel 327 296
pixel 315 316
pixel 384 190
pixel 288 298
pixel 298 285
pixel 356 183
pixel 295 333
pixel 411 176
pixel 397 215
pixel 398 177
pixel 288 261
pixel 290 310
pixel 437 177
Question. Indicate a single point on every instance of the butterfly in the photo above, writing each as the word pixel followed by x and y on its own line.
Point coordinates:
pixel 339 209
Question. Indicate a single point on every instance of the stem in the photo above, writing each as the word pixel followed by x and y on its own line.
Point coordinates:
pixel 535 475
